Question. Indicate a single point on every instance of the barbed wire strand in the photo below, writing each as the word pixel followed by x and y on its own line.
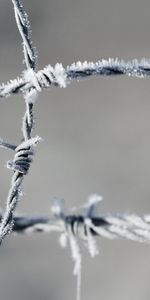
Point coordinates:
pixel 24 152
pixel 110 226
pixel 61 77
pixel 85 227
pixel 71 227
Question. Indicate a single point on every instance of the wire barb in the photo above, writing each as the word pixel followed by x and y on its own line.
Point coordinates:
pixel 78 229
pixel 61 77
pixel 112 226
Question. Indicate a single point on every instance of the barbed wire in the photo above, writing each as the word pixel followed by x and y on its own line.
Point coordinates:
pixel 29 84
pixel 61 77
pixel 83 228
pixel 109 226
pixel 72 227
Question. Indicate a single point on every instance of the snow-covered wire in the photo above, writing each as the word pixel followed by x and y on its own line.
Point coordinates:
pixel 109 226
pixel 24 151
pixel 72 228
pixel 84 228
pixel 61 77
pixel 29 84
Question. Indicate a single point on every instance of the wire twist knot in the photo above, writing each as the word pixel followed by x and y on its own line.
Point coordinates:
pixel 23 156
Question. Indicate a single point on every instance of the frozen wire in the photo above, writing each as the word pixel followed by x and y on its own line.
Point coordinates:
pixel 112 226
pixel 61 77
pixel 24 151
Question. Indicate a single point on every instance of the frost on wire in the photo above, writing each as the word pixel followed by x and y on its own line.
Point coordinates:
pixel 73 228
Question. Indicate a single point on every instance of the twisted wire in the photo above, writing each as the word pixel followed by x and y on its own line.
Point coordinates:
pixel 25 32
pixel 72 227
pixel 29 84
pixel 114 226
pixel 61 77
pixel 24 152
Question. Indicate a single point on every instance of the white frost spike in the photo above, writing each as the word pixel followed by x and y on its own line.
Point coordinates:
pixel 92 247
pixel 79 64
pixel 76 255
pixel 85 64
pixel 30 76
pixel 59 73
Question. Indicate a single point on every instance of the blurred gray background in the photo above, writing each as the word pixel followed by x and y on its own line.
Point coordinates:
pixel 96 139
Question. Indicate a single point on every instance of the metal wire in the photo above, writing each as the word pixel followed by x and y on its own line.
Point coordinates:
pixel 113 226
pixel 29 84
pixel 71 227
pixel 24 152
pixel 61 77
